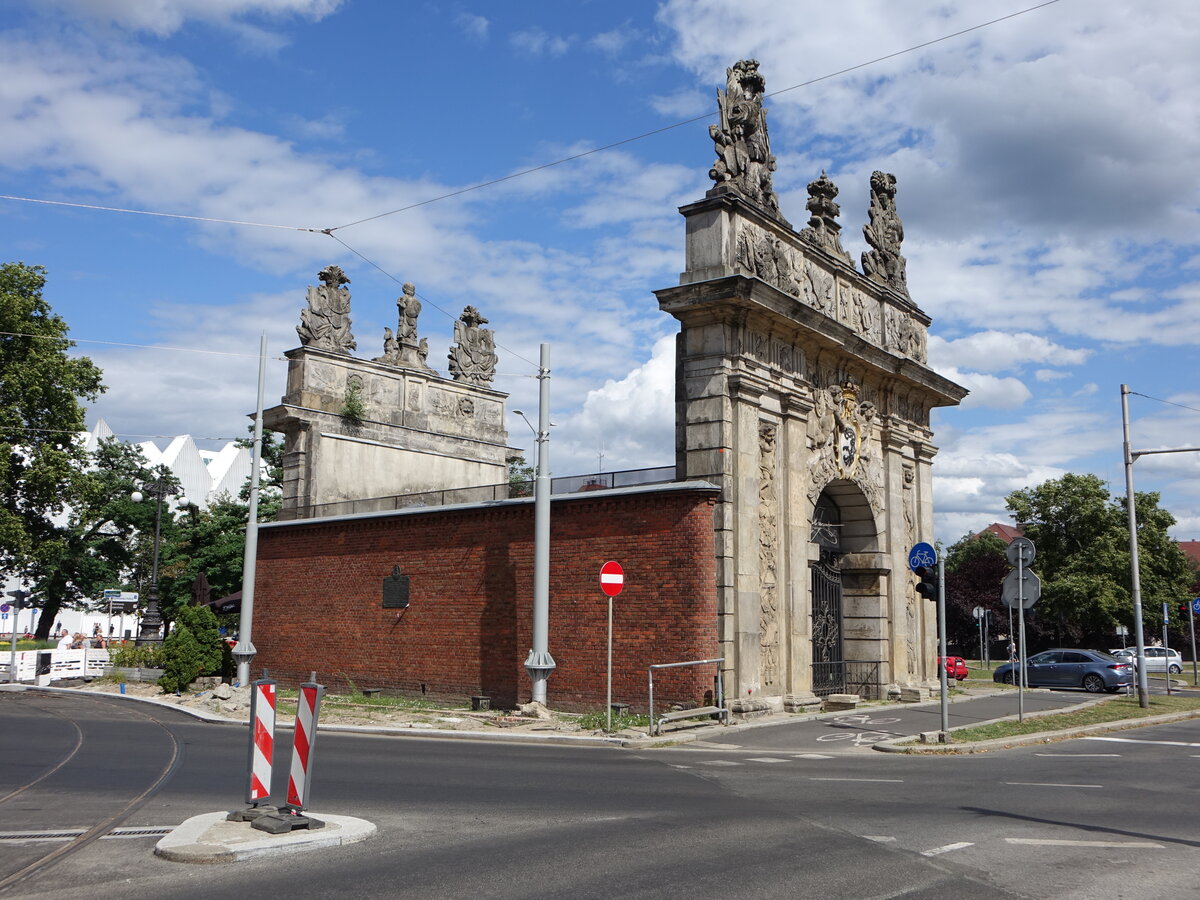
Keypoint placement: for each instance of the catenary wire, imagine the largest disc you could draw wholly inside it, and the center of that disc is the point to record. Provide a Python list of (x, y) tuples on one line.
[(124, 434), (81, 340), (543, 166), (1168, 402)]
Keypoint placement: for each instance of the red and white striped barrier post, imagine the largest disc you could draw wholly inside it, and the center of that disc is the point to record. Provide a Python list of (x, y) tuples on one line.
[(308, 707), (261, 753), (262, 741)]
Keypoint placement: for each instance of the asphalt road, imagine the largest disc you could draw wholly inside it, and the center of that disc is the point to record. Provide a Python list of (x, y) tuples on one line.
[(763, 813)]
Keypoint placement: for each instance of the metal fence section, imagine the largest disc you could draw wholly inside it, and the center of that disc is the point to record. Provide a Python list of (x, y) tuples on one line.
[(488, 493), (717, 708), (844, 676)]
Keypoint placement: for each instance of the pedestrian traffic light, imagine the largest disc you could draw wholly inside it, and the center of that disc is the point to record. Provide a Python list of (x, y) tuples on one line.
[(1185, 608), (927, 582)]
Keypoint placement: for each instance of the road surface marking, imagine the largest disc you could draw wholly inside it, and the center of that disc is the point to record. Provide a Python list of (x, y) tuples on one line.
[(1049, 784), (889, 780), (719, 762), (1141, 741), (937, 851), (810, 756), (1079, 755), (673, 766), (1046, 842), (879, 838), (766, 759)]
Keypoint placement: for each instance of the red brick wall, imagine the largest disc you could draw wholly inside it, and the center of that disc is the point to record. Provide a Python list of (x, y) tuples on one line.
[(318, 599)]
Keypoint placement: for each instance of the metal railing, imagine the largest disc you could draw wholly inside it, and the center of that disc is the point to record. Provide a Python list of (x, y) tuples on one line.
[(844, 676), (488, 493), (717, 708)]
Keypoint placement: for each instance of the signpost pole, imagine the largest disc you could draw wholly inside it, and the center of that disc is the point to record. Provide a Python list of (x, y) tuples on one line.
[(1166, 647), (1192, 622), (941, 610), (1021, 676), (608, 697), (978, 612)]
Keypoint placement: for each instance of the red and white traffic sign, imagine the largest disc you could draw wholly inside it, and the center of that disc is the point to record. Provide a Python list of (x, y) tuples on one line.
[(612, 578)]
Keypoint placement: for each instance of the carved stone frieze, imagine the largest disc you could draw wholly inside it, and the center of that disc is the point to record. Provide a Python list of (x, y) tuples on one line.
[(325, 324), (910, 591), (769, 351), (843, 443), (768, 553)]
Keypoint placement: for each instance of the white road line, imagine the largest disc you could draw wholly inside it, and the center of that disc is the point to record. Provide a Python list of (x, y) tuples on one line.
[(673, 766), (766, 759), (719, 762), (1049, 784), (1141, 741), (1080, 755), (887, 780), (1046, 842), (810, 756), (937, 851), (879, 838)]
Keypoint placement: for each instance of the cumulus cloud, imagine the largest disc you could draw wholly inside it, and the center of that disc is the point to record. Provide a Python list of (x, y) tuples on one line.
[(165, 17), (539, 42), (999, 351), (472, 25)]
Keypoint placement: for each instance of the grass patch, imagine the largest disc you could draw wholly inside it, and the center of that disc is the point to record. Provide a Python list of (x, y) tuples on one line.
[(594, 721), (1112, 710), (377, 701)]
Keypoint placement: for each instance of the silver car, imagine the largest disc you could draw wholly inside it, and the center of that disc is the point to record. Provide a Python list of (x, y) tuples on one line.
[(1158, 659)]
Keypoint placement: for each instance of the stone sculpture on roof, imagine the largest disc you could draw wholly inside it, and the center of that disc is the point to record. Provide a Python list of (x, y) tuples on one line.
[(744, 161), (325, 325), (884, 232), (823, 226), (404, 349), (473, 357)]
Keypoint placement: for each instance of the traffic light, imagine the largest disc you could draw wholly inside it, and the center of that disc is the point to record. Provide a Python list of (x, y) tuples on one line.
[(927, 582), (1185, 609)]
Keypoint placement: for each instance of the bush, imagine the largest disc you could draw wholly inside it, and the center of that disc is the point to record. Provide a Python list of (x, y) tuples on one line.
[(183, 659), (202, 623), (130, 656)]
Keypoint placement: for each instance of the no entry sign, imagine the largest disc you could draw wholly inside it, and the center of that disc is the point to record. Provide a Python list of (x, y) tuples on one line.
[(612, 578)]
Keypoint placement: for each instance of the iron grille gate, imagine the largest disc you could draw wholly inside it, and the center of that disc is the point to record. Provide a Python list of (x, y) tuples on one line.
[(829, 670)]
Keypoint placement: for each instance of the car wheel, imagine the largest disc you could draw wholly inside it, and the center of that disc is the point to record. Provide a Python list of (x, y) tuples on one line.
[(1175, 670), (1007, 678), (1093, 683)]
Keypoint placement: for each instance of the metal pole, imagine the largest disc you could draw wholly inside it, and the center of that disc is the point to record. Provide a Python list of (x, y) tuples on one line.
[(151, 621), (987, 644), (1134, 569), (941, 612), (1166, 646), (1192, 623), (610, 665), (539, 664), (1022, 675), (12, 654), (244, 651), (979, 625)]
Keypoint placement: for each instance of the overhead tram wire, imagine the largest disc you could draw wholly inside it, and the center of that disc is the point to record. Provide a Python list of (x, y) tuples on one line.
[(543, 166), (1168, 402), (452, 316), (680, 124), (124, 434), (82, 340)]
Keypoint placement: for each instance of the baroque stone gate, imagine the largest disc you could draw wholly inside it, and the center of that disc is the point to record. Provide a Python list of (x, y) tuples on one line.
[(802, 391)]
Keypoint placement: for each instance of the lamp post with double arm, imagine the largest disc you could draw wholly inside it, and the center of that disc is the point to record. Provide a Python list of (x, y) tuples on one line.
[(149, 631)]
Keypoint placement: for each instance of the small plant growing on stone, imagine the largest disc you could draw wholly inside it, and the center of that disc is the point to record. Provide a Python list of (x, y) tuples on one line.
[(354, 410)]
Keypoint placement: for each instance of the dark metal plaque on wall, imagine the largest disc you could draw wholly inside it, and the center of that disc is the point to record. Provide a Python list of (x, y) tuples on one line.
[(395, 590)]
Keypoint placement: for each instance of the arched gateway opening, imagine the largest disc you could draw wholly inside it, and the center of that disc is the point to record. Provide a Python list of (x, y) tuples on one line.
[(845, 601)]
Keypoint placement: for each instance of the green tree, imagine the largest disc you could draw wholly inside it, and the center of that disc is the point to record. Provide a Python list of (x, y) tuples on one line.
[(202, 623), (106, 539), (1082, 540), (975, 567), (41, 389), (521, 476)]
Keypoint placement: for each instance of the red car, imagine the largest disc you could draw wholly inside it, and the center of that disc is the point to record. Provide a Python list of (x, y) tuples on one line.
[(956, 667)]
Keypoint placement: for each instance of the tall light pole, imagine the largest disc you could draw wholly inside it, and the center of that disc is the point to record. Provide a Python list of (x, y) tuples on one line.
[(1131, 457), (244, 652), (539, 664), (151, 624)]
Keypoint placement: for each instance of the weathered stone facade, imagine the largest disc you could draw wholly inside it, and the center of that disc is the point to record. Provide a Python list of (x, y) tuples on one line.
[(802, 381)]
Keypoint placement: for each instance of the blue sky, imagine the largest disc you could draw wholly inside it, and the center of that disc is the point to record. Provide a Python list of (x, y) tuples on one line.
[(1046, 169)]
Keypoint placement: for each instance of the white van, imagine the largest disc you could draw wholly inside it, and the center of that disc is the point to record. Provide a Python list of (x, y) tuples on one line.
[(1158, 659)]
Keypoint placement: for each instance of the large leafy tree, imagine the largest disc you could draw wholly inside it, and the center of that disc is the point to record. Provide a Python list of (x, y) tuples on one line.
[(105, 539), (975, 567), (41, 389), (1082, 539)]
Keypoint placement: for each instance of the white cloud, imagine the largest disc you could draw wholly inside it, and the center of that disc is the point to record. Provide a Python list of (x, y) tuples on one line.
[(472, 25), (999, 351), (988, 390), (538, 42), (1050, 375), (164, 17)]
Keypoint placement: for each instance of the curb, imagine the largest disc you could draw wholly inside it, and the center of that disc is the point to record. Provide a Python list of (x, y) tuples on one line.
[(209, 838), (902, 745)]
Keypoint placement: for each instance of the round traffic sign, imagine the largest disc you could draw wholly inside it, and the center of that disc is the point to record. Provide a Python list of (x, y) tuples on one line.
[(977, 612), (1021, 550), (4, 607), (922, 555), (1196, 606), (612, 578)]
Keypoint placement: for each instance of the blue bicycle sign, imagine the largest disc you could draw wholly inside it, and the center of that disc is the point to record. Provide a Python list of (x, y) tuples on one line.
[(922, 555)]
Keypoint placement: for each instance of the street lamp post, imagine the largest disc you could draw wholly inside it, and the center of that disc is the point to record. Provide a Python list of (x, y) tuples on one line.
[(151, 624)]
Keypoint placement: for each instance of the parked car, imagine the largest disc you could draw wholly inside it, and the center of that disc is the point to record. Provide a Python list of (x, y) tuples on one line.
[(1157, 659), (1093, 670), (956, 667)]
